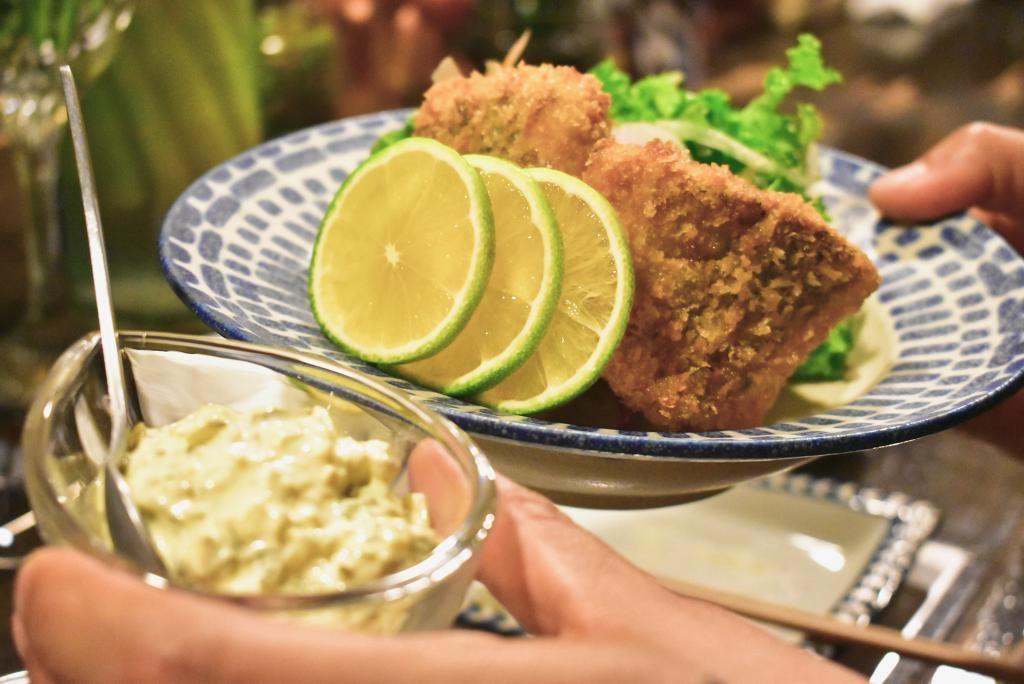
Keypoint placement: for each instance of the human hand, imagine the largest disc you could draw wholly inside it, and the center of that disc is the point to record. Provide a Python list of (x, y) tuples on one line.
[(391, 47), (596, 619), (979, 167)]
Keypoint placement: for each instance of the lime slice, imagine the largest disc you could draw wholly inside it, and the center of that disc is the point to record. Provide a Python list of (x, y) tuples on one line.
[(521, 295), (592, 312), (403, 254)]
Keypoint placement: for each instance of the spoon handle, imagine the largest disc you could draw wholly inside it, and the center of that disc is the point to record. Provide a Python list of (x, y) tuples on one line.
[(100, 274), (124, 521)]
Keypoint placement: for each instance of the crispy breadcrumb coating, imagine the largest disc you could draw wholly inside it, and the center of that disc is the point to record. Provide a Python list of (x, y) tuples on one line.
[(531, 115), (734, 287)]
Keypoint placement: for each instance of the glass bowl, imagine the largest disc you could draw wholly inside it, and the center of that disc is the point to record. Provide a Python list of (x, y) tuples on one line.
[(67, 427)]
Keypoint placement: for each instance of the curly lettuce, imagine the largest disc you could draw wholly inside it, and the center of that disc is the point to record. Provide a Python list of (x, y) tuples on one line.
[(829, 360), (760, 141)]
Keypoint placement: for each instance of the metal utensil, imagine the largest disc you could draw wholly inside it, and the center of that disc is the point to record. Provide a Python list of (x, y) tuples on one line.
[(127, 530)]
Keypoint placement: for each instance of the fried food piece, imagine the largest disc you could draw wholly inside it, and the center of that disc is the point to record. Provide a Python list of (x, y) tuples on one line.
[(531, 115), (735, 286)]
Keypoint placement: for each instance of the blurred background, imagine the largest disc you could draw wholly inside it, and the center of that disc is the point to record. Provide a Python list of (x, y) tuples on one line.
[(171, 89)]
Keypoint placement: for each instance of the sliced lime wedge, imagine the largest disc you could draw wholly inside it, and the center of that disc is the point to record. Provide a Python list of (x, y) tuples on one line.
[(403, 254), (521, 294), (592, 312)]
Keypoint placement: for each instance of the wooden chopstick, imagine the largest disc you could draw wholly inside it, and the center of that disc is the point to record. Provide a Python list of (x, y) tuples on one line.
[(832, 631)]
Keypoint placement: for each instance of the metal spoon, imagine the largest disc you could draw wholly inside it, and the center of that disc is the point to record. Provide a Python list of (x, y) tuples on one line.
[(127, 530)]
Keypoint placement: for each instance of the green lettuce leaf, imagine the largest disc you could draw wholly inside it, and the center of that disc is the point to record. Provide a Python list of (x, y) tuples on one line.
[(829, 360), (391, 137), (781, 140)]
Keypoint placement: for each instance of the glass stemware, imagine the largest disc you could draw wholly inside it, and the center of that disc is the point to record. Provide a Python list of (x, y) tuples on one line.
[(36, 36)]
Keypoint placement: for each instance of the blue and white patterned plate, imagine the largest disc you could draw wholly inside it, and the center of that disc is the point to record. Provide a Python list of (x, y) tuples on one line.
[(236, 248)]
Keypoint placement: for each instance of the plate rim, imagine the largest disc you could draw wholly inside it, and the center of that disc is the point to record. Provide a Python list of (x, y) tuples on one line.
[(626, 445)]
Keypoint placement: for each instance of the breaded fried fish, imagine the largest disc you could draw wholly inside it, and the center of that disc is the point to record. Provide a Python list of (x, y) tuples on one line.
[(734, 287), (531, 115)]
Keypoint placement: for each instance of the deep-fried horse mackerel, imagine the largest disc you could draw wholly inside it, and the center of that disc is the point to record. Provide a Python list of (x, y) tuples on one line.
[(530, 115), (735, 286)]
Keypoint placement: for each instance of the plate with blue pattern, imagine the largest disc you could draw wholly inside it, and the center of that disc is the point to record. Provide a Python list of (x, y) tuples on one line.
[(236, 248)]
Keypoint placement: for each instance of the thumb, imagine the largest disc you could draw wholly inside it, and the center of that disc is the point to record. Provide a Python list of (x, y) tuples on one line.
[(557, 578), (978, 165)]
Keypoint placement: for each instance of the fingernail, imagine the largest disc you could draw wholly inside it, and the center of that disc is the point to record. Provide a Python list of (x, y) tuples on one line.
[(906, 174)]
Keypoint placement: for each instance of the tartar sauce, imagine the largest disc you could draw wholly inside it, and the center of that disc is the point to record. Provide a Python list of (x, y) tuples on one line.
[(273, 501)]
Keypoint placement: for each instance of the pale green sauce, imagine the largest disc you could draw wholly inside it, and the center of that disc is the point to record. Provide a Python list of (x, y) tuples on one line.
[(273, 501)]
